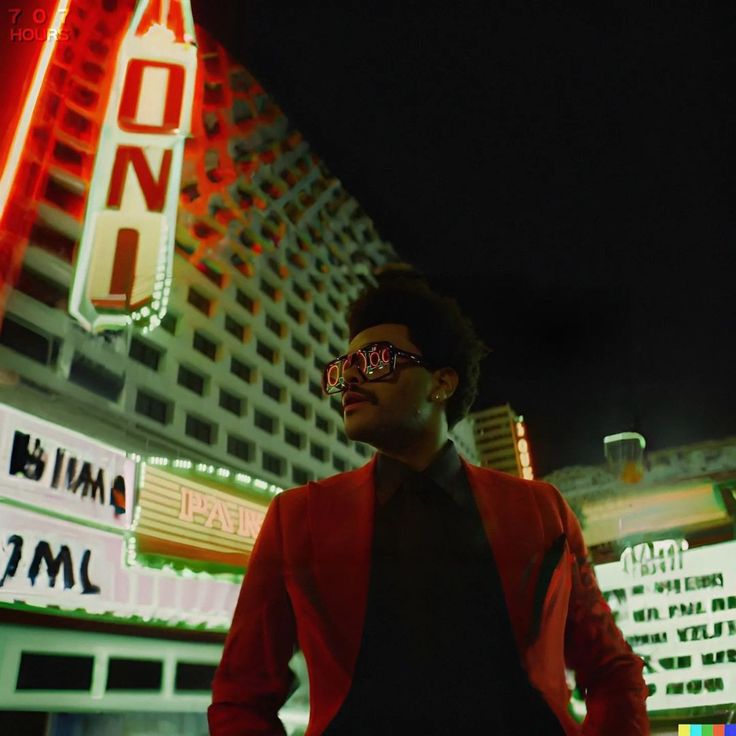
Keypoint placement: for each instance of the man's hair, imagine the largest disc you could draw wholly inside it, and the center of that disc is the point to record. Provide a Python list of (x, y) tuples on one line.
[(446, 337)]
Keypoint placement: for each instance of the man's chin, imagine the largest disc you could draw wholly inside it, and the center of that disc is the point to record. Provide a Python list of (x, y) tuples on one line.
[(359, 431)]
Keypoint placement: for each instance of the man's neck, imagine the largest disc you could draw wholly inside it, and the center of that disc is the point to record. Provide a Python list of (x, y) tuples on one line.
[(418, 455)]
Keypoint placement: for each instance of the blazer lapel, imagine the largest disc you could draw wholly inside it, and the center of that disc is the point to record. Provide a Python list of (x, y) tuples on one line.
[(515, 533), (341, 513)]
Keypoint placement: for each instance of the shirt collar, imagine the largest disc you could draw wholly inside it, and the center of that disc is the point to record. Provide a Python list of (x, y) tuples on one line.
[(446, 470)]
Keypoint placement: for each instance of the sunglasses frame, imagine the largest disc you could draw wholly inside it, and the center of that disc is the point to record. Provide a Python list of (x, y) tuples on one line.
[(395, 353)]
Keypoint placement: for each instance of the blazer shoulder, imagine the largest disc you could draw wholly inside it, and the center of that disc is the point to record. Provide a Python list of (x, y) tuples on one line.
[(545, 495)]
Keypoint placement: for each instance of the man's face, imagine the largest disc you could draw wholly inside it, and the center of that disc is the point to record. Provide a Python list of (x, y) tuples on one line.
[(397, 408)]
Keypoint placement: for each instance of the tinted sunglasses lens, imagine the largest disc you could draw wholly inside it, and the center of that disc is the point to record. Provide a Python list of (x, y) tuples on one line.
[(379, 361), (332, 378)]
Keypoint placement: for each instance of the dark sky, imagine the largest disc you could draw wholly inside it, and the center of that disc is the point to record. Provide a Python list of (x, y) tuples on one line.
[(565, 174)]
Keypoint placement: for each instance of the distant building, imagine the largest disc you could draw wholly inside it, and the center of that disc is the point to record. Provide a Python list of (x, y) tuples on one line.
[(501, 441)]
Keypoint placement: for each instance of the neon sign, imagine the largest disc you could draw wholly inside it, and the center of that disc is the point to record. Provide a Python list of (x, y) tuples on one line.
[(123, 268), (179, 517), (677, 609), (47, 562)]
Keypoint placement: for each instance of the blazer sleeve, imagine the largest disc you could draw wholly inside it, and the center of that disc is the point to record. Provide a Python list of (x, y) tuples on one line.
[(253, 679), (606, 669)]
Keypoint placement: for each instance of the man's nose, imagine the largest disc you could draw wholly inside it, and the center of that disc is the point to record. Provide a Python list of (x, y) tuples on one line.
[(352, 373)]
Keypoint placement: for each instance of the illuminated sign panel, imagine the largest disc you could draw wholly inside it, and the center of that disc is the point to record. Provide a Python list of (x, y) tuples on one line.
[(123, 269), (62, 472), (179, 517), (677, 609), (48, 562)]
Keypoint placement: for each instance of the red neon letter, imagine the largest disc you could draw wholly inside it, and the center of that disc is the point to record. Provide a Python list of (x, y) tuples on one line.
[(132, 92), (154, 191), (123, 271)]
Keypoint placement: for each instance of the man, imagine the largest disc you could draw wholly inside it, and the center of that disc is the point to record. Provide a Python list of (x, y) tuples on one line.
[(428, 595)]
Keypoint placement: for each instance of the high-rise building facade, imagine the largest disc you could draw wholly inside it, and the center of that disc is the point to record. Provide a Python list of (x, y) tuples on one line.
[(501, 441), (153, 403)]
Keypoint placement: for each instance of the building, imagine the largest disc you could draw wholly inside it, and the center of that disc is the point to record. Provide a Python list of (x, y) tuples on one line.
[(141, 440), (661, 530), (501, 441)]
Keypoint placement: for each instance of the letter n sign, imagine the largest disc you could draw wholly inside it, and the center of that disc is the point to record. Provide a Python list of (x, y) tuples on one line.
[(123, 270)]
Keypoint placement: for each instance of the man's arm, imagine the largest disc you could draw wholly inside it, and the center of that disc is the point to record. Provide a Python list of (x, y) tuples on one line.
[(254, 680), (606, 669)]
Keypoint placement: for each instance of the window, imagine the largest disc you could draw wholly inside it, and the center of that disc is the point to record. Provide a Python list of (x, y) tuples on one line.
[(293, 438), (266, 351), (264, 421), (302, 293), (292, 372), (340, 464), (300, 475), (245, 301), (153, 408), (272, 390), (342, 438), (28, 342), (95, 377), (315, 389), (239, 447), (315, 333), (241, 370), (294, 313), (200, 429), (317, 451), (300, 347), (274, 325), (204, 345), (299, 408), (191, 379), (322, 424), (199, 301), (273, 463), (231, 402), (270, 290), (234, 328), (321, 312), (144, 353), (169, 323)]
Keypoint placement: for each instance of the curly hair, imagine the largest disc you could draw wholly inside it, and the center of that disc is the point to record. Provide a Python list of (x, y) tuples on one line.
[(446, 337)]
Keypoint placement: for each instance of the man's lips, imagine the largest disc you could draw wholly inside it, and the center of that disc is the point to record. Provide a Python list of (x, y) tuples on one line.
[(353, 397)]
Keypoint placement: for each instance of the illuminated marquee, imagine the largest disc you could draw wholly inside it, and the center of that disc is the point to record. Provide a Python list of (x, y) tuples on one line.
[(49, 563), (123, 269), (677, 609), (62, 472), (180, 518)]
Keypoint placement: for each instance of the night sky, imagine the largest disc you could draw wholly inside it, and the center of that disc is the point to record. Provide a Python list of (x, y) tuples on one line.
[(566, 175)]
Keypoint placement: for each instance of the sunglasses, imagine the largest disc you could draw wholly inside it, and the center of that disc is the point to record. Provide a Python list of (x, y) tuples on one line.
[(374, 361)]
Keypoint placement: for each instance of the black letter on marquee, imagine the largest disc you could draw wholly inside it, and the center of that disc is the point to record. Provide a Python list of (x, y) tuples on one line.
[(12, 567), (87, 585), (43, 554), (30, 464)]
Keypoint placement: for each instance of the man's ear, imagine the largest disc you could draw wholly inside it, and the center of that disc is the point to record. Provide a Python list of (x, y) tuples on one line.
[(445, 382)]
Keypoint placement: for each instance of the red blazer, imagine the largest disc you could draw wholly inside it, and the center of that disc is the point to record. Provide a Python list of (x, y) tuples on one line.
[(307, 585)]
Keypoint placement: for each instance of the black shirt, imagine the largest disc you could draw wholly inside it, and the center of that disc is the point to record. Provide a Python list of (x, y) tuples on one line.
[(438, 654)]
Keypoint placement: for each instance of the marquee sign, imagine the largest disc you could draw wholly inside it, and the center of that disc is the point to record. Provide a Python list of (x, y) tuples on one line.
[(677, 609), (123, 268), (46, 562), (181, 518), (62, 472)]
